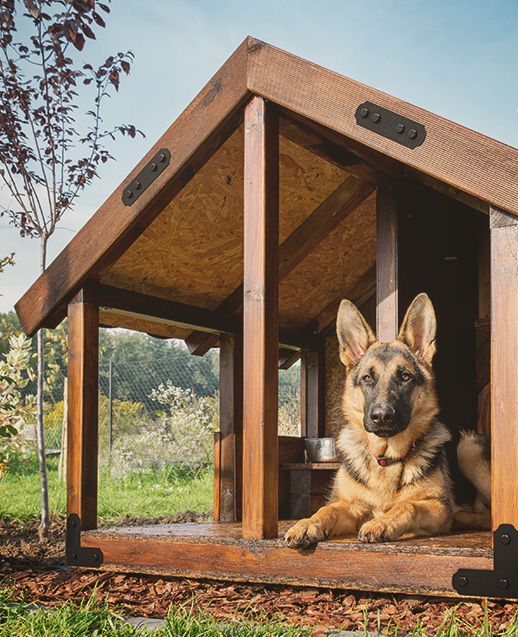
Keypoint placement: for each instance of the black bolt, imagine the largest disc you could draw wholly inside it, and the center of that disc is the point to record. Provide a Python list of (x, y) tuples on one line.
[(154, 167), (73, 523), (400, 128), (129, 194), (74, 556), (505, 539), (364, 112), (503, 583), (97, 557), (462, 581), (412, 133), (161, 157), (376, 117), (137, 185)]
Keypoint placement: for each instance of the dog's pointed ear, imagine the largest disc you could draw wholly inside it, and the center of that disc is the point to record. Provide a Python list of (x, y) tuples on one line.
[(354, 334), (419, 328)]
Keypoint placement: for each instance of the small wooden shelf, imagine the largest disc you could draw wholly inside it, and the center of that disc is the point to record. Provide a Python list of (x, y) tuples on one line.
[(310, 466)]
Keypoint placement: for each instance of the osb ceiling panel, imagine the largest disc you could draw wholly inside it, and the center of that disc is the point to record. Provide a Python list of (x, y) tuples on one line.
[(193, 251), (331, 269)]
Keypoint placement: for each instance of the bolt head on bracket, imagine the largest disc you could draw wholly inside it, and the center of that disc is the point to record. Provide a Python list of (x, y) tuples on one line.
[(393, 126), (146, 177)]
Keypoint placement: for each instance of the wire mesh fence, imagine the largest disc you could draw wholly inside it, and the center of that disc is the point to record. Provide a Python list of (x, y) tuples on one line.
[(158, 404)]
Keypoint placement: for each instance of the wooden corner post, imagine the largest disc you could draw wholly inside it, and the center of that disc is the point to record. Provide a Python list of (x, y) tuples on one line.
[(260, 320), (83, 388), (312, 393), (387, 319), (504, 368), (228, 474)]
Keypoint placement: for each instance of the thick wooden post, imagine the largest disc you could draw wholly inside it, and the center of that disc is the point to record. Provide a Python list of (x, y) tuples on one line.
[(312, 393), (228, 476), (504, 368), (260, 321), (387, 319), (83, 387)]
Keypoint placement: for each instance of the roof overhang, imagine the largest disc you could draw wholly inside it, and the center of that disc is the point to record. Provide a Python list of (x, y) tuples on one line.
[(463, 163)]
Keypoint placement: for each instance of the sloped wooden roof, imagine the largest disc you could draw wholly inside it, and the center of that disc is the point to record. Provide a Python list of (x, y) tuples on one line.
[(182, 239)]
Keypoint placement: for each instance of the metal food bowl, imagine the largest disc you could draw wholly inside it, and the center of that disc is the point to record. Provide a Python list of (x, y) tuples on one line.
[(321, 449)]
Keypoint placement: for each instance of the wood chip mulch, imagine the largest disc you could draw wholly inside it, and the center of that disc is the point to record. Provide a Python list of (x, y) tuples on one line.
[(35, 572)]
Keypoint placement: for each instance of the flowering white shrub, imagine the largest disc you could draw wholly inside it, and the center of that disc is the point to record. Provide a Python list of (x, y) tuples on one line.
[(16, 411), (181, 433)]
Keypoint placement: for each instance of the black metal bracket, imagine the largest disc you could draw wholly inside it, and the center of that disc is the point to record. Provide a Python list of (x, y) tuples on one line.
[(77, 555), (390, 125), (146, 177), (502, 581)]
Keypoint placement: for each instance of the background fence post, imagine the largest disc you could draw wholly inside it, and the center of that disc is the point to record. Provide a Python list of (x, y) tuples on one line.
[(110, 407)]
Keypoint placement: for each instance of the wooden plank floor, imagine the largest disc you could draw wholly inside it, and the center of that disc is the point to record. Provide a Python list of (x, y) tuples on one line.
[(218, 551), (476, 543)]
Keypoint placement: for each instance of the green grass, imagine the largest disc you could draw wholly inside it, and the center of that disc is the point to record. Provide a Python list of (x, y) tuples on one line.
[(90, 620), (149, 495)]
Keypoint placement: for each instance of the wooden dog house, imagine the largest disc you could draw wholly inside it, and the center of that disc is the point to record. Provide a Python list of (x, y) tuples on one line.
[(281, 189)]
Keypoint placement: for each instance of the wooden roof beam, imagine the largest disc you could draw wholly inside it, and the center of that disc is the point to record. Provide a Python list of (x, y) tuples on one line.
[(362, 161), (305, 238), (183, 315), (214, 114), (462, 159)]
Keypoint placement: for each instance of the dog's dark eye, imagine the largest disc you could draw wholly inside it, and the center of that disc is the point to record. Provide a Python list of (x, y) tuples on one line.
[(367, 379), (406, 377)]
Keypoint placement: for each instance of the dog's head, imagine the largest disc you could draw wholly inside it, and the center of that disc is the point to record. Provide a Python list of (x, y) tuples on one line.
[(389, 385)]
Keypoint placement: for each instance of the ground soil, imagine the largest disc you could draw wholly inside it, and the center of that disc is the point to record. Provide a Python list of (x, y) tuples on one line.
[(35, 571)]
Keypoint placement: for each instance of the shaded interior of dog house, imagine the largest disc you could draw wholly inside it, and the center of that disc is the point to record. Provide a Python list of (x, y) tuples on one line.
[(362, 217)]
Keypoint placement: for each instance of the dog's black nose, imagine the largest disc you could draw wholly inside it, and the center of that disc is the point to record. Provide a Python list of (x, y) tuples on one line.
[(383, 415)]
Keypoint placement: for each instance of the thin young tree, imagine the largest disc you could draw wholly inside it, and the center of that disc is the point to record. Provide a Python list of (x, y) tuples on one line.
[(50, 149)]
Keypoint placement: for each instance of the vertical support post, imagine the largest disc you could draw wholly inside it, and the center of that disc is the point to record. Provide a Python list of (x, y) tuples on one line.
[(110, 407), (228, 480), (260, 321), (504, 368), (312, 393), (387, 319), (83, 388)]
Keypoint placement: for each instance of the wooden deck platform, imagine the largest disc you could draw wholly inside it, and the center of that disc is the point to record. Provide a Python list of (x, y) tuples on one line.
[(218, 551)]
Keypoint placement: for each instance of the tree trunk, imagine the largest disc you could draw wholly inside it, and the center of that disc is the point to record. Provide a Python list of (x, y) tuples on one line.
[(40, 433)]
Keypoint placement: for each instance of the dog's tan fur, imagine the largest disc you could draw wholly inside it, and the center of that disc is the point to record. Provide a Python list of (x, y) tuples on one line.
[(474, 464), (412, 496)]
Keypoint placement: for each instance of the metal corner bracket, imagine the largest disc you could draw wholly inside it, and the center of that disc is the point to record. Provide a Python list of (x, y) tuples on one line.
[(502, 581), (75, 554)]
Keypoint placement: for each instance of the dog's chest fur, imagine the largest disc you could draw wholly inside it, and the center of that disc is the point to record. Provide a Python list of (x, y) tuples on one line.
[(361, 478)]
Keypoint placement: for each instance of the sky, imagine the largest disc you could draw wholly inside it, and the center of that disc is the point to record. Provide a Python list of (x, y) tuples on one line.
[(456, 58)]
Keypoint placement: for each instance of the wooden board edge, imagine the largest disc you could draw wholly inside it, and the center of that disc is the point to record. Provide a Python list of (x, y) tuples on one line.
[(321, 567)]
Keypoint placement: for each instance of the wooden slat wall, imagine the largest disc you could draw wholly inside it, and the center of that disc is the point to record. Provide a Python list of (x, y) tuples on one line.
[(83, 387), (260, 321), (504, 368)]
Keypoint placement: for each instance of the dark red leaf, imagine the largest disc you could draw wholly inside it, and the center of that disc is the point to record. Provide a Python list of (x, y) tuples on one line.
[(125, 66), (88, 32), (98, 19), (114, 78), (79, 42)]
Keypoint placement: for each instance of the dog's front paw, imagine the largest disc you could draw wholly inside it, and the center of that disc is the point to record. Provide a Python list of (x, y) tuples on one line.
[(376, 530), (304, 533)]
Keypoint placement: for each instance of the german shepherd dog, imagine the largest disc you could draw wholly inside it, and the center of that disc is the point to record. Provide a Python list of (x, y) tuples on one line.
[(394, 478)]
